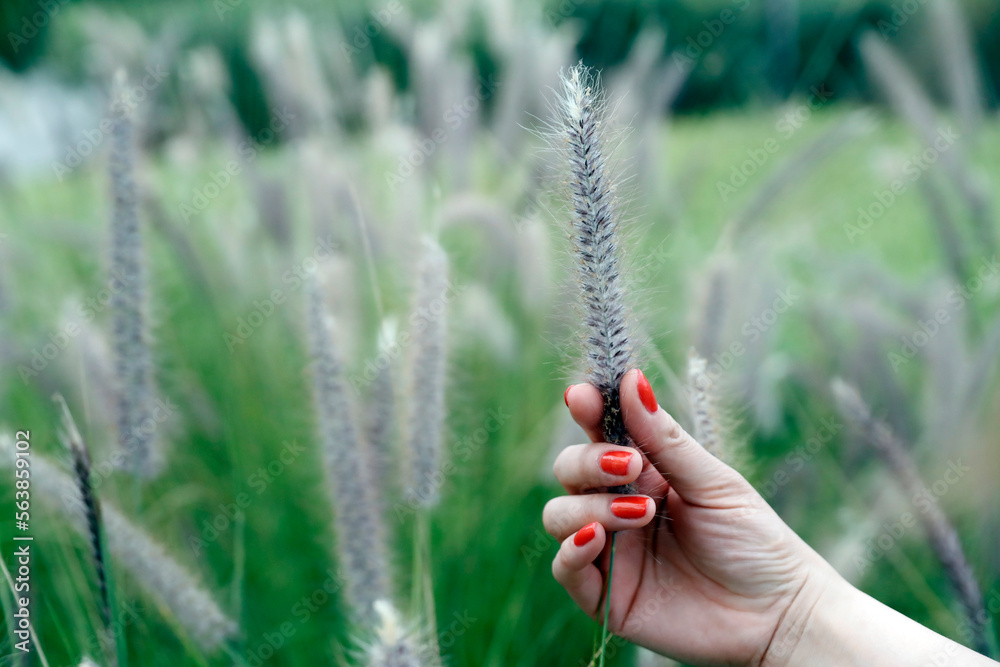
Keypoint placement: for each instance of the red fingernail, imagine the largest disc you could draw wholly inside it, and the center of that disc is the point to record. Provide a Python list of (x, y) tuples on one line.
[(646, 394), (566, 395), (616, 463), (629, 507), (585, 534)]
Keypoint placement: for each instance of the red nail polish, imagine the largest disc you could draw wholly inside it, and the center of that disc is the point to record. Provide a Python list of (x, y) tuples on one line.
[(629, 507), (616, 463), (566, 395), (585, 534), (646, 394)]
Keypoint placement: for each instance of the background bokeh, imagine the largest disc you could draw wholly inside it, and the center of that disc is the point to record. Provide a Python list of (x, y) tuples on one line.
[(783, 217)]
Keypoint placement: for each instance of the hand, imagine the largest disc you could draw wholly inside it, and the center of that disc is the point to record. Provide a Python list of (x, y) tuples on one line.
[(715, 577)]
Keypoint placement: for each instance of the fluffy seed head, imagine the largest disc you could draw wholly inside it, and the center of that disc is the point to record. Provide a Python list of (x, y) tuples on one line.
[(428, 373), (595, 236), (595, 228), (700, 386), (151, 567), (941, 534), (81, 470), (133, 360), (382, 412), (394, 645), (360, 541)]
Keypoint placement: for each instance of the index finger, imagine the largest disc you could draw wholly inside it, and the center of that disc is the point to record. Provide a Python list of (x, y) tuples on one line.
[(586, 405)]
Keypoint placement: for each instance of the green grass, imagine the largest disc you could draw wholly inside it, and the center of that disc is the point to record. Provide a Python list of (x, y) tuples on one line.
[(493, 589)]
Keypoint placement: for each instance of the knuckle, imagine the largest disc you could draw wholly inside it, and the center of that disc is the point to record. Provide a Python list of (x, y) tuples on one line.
[(561, 467), (670, 432), (549, 513), (558, 567)]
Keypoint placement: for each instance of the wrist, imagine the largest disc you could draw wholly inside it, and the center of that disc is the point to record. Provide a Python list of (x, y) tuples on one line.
[(812, 619), (830, 623)]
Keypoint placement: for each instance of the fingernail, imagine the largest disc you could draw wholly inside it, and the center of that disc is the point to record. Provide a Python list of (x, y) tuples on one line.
[(629, 507), (616, 463), (646, 394), (585, 534), (566, 395)]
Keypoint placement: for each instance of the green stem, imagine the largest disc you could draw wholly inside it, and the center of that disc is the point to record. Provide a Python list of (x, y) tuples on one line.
[(607, 599), (121, 650)]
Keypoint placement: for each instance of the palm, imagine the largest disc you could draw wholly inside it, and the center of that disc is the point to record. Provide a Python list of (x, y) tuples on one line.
[(714, 579)]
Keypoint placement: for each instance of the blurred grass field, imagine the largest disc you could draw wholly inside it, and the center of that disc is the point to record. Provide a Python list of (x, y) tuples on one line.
[(512, 352)]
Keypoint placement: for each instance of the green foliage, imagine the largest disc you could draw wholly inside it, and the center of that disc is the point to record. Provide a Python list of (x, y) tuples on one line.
[(496, 601)]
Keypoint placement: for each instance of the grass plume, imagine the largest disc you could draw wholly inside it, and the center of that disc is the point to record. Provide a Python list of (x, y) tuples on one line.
[(360, 534), (382, 413), (131, 548), (133, 359), (395, 645), (427, 375), (703, 406), (92, 511), (940, 533), (911, 102), (595, 235)]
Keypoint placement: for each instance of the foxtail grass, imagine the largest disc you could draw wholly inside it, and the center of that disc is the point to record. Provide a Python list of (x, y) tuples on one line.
[(962, 79), (192, 607), (704, 412), (395, 645), (428, 374), (359, 528), (132, 356), (77, 447), (609, 347), (382, 405), (941, 534), (713, 427), (911, 102)]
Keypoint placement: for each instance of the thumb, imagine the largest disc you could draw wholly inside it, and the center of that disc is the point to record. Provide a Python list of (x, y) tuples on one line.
[(696, 475)]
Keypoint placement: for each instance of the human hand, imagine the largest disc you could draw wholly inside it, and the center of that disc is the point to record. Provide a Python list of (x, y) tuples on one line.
[(723, 580)]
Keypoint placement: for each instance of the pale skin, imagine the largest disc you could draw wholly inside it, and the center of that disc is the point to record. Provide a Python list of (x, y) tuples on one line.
[(725, 580)]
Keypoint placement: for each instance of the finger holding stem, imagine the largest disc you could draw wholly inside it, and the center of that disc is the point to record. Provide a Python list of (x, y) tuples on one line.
[(574, 567)]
